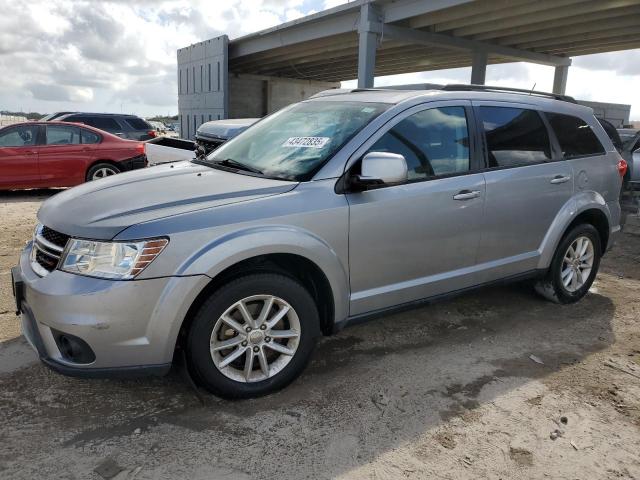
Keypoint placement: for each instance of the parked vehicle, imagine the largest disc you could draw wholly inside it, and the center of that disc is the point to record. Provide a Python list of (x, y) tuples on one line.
[(168, 149), (159, 127), (58, 154), (333, 210), (211, 135), (627, 134), (54, 116), (629, 149), (123, 126), (612, 132)]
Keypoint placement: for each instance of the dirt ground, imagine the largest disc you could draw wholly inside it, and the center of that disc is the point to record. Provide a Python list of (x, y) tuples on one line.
[(475, 387)]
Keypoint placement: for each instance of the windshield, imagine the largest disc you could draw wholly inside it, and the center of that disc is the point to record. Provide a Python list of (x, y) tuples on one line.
[(296, 141)]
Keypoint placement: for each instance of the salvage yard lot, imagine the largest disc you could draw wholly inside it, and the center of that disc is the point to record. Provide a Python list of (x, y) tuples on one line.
[(468, 388)]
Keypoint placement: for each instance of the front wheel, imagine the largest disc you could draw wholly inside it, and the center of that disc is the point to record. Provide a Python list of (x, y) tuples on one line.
[(253, 336), (574, 266)]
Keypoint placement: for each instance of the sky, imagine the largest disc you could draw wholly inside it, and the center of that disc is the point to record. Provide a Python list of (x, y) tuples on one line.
[(120, 55)]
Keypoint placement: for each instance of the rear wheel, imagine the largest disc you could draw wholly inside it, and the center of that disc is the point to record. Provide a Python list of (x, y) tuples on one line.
[(101, 170), (252, 336), (574, 266)]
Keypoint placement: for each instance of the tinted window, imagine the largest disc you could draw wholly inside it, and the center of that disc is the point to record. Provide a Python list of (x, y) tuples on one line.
[(22, 136), (574, 135), (514, 136), (103, 123), (434, 142), (89, 137), (62, 135), (137, 123)]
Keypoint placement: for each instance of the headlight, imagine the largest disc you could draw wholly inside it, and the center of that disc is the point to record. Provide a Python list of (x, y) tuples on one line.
[(119, 260)]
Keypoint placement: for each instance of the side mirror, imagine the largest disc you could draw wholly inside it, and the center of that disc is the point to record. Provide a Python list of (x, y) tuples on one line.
[(381, 168)]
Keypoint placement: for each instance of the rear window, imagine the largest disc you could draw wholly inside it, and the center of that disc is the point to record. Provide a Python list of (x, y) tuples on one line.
[(138, 124), (575, 136), (62, 135), (515, 136)]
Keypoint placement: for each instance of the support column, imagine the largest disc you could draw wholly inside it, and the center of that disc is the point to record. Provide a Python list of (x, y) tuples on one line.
[(479, 67), (368, 34), (560, 79)]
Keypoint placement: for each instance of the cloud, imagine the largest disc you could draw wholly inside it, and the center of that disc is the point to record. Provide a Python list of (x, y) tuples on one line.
[(121, 55)]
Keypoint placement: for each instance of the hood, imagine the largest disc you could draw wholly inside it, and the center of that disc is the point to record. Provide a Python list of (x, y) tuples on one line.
[(225, 129), (103, 208)]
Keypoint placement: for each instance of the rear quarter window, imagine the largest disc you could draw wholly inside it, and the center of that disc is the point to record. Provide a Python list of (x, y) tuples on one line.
[(89, 137), (138, 124), (575, 136)]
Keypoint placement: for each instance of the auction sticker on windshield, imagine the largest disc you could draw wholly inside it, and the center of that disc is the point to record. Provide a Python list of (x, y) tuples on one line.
[(306, 142)]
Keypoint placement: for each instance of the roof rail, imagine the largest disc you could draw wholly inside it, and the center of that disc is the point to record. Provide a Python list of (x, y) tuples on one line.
[(488, 88), (342, 91)]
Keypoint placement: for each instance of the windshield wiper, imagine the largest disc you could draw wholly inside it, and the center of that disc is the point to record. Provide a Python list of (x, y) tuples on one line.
[(230, 162)]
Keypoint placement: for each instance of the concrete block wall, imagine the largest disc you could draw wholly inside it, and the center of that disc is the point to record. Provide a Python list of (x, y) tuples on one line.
[(259, 95)]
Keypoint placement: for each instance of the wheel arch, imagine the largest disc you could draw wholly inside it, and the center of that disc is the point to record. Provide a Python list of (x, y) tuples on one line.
[(295, 266), (285, 250), (588, 207)]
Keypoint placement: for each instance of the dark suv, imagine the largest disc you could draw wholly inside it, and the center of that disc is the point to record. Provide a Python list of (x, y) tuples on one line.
[(124, 126)]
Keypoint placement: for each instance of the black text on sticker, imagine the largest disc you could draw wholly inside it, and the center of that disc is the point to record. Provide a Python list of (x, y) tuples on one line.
[(306, 142)]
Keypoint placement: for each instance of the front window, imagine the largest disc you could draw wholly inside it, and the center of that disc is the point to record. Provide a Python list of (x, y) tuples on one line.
[(295, 142), (22, 136), (434, 142)]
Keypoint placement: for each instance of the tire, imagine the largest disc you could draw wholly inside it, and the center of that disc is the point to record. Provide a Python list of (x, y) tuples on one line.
[(553, 286), (224, 371), (101, 170)]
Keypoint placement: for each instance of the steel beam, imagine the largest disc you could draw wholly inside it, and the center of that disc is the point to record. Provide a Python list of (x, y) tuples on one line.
[(479, 67), (368, 34), (447, 41)]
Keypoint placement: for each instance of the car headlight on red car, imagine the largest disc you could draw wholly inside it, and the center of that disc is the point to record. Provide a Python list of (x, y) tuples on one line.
[(113, 260)]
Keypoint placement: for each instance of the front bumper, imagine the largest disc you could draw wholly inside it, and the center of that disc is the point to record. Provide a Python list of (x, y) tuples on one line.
[(130, 326)]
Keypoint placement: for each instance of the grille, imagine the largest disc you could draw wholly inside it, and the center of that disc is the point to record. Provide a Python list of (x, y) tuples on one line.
[(45, 261), (48, 246), (57, 238)]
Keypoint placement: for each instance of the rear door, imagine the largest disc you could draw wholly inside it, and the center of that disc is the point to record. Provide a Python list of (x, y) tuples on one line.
[(418, 239), (63, 159), (19, 157), (527, 183)]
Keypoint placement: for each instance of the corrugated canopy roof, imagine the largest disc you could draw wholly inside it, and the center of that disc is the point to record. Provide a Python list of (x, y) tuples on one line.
[(437, 34)]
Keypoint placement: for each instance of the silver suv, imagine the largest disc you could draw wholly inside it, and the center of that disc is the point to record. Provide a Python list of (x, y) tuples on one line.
[(332, 210)]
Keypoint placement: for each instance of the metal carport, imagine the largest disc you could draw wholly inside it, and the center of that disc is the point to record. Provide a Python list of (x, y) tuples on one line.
[(371, 38)]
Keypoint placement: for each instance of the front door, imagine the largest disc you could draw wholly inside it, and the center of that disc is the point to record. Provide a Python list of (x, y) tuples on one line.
[(19, 157), (418, 239)]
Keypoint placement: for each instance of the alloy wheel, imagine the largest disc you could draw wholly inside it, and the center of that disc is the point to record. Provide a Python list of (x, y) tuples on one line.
[(577, 264), (103, 172), (255, 338)]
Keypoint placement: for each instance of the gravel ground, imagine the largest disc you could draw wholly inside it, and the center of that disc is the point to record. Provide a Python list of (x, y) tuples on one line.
[(475, 387)]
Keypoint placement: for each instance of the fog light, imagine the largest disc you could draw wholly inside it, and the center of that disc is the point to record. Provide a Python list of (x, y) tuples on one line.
[(72, 348)]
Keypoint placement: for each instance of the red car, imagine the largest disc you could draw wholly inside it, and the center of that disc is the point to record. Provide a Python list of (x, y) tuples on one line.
[(62, 154)]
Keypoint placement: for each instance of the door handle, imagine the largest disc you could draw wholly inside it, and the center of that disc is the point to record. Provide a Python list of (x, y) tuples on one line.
[(560, 179), (466, 195)]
